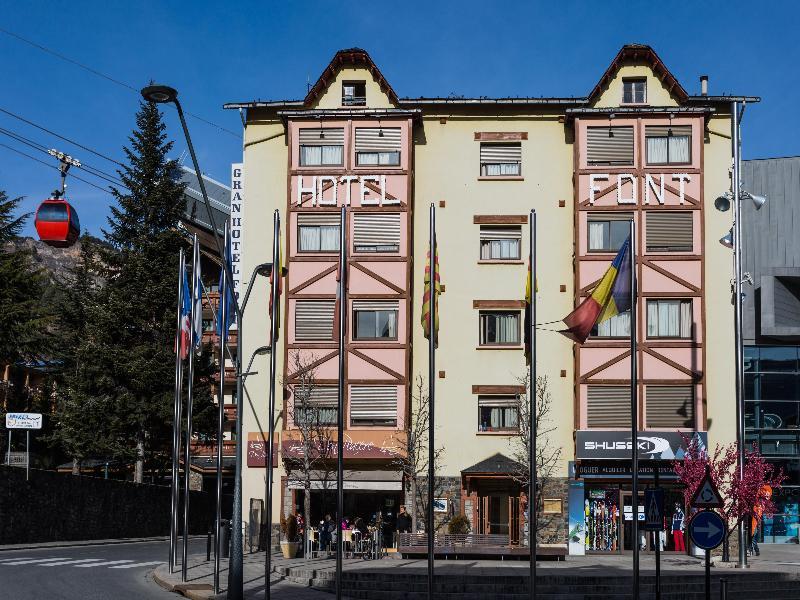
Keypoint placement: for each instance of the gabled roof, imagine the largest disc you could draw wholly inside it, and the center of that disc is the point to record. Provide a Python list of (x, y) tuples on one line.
[(345, 58), (645, 53), (497, 463)]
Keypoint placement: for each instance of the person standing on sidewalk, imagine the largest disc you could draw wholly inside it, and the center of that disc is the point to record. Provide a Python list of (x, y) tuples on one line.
[(678, 519), (402, 524)]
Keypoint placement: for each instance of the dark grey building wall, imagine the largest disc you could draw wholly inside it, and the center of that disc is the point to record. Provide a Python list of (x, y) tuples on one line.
[(771, 236)]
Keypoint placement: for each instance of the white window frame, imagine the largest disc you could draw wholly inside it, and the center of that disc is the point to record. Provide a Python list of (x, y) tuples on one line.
[(502, 403), (660, 308), (633, 81), (512, 235)]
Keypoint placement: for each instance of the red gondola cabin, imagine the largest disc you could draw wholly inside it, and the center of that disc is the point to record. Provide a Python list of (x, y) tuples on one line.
[(57, 223)]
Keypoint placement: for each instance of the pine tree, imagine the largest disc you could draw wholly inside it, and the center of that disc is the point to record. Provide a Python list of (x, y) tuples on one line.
[(135, 323), (24, 318)]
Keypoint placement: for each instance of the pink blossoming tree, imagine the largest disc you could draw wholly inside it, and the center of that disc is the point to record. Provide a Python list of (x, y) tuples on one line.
[(740, 495)]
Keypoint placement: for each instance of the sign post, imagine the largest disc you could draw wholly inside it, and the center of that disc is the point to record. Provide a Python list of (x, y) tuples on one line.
[(26, 421), (654, 521), (707, 530)]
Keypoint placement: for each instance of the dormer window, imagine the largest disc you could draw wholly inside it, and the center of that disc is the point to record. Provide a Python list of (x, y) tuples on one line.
[(634, 91), (354, 93)]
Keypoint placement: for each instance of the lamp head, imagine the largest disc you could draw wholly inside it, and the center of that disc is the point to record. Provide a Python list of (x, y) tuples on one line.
[(262, 350), (159, 94), (264, 269), (723, 203), (727, 239), (758, 201)]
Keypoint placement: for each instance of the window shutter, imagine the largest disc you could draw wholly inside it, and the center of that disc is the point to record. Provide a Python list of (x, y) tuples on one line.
[(501, 153), (501, 233), (370, 402), (320, 396), (609, 216), (669, 406), (497, 401), (313, 320), (369, 139), (614, 150), (376, 305), (376, 229), (608, 406), (309, 136), (667, 230), (663, 130), (318, 218)]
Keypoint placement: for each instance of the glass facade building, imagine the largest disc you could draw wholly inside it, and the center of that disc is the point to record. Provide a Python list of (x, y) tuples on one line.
[(772, 421)]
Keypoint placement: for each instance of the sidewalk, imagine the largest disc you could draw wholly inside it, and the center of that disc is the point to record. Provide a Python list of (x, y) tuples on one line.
[(294, 578)]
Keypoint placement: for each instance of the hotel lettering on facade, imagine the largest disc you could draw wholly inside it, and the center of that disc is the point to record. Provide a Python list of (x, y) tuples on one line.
[(639, 147)]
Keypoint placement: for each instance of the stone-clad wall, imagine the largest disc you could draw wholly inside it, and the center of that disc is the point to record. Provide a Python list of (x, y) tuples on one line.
[(58, 506)]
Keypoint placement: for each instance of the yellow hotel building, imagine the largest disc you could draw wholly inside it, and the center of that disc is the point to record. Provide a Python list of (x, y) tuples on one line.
[(638, 146)]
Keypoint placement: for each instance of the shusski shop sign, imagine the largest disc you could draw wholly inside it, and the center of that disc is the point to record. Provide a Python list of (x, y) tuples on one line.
[(653, 445), (330, 190)]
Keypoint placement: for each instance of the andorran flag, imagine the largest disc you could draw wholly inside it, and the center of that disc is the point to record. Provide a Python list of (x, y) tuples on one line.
[(612, 296), (426, 298), (276, 272)]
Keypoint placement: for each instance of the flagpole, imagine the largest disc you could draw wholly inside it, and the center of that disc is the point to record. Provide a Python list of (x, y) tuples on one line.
[(532, 429), (176, 425), (223, 339), (634, 417), (340, 400), (187, 456), (274, 283), (432, 334)]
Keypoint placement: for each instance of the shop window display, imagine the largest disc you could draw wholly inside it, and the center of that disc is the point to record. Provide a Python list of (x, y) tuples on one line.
[(601, 511)]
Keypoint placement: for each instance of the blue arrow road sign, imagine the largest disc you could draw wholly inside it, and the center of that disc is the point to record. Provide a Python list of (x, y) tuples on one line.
[(653, 510), (707, 530)]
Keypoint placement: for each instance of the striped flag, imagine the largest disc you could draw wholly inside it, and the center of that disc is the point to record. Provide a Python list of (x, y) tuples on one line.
[(426, 297), (527, 335), (611, 297), (186, 305), (197, 302)]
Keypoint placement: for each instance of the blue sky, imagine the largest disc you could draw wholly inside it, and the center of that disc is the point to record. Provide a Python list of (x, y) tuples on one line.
[(214, 52)]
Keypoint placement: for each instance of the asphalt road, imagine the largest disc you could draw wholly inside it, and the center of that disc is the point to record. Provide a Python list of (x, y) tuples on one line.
[(104, 572)]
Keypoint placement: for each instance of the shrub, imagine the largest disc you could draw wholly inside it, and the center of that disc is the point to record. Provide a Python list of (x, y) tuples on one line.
[(458, 524)]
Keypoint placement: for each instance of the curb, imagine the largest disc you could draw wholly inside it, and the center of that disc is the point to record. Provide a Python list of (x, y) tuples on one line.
[(193, 591)]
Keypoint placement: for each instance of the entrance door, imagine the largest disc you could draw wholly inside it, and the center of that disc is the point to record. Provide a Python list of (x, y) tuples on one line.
[(646, 539), (495, 513)]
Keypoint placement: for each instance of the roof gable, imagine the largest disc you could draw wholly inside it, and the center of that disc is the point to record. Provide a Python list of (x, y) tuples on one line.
[(497, 463), (639, 54), (349, 58)]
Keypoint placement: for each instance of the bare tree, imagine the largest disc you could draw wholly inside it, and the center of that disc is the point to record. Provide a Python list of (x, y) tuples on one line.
[(311, 461), (547, 456), (414, 460)]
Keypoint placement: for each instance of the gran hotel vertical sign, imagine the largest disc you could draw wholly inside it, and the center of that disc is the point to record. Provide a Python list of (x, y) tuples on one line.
[(237, 202)]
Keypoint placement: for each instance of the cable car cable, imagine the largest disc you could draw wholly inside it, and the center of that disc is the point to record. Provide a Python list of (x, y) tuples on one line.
[(61, 137), (47, 164), (104, 76), (89, 169)]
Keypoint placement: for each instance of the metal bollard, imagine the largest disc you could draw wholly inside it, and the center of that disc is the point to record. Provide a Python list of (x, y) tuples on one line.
[(723, 589), (208, 546)]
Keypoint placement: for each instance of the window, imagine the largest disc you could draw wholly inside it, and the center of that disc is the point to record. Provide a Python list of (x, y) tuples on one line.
[(500, 243), (608, 406), (617, 326), (378, 146), (499, 328), (498, 413), (376, 232), (315, 405), (668, 145), (669, 407), (634, 91), (669, 319), (313, 320), (669, 231), (354, 93), (373, 405), (609, 146), (318, 232), (321, 147), (608, 231), (375, 320), (498, 160)]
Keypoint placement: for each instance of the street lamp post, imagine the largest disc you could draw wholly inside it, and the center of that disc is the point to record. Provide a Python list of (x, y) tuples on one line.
[(163, 94)]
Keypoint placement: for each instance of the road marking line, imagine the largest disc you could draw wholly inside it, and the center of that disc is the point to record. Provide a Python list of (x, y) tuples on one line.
[(72, 562), (141, 564), (105, 564), (27, 561)]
